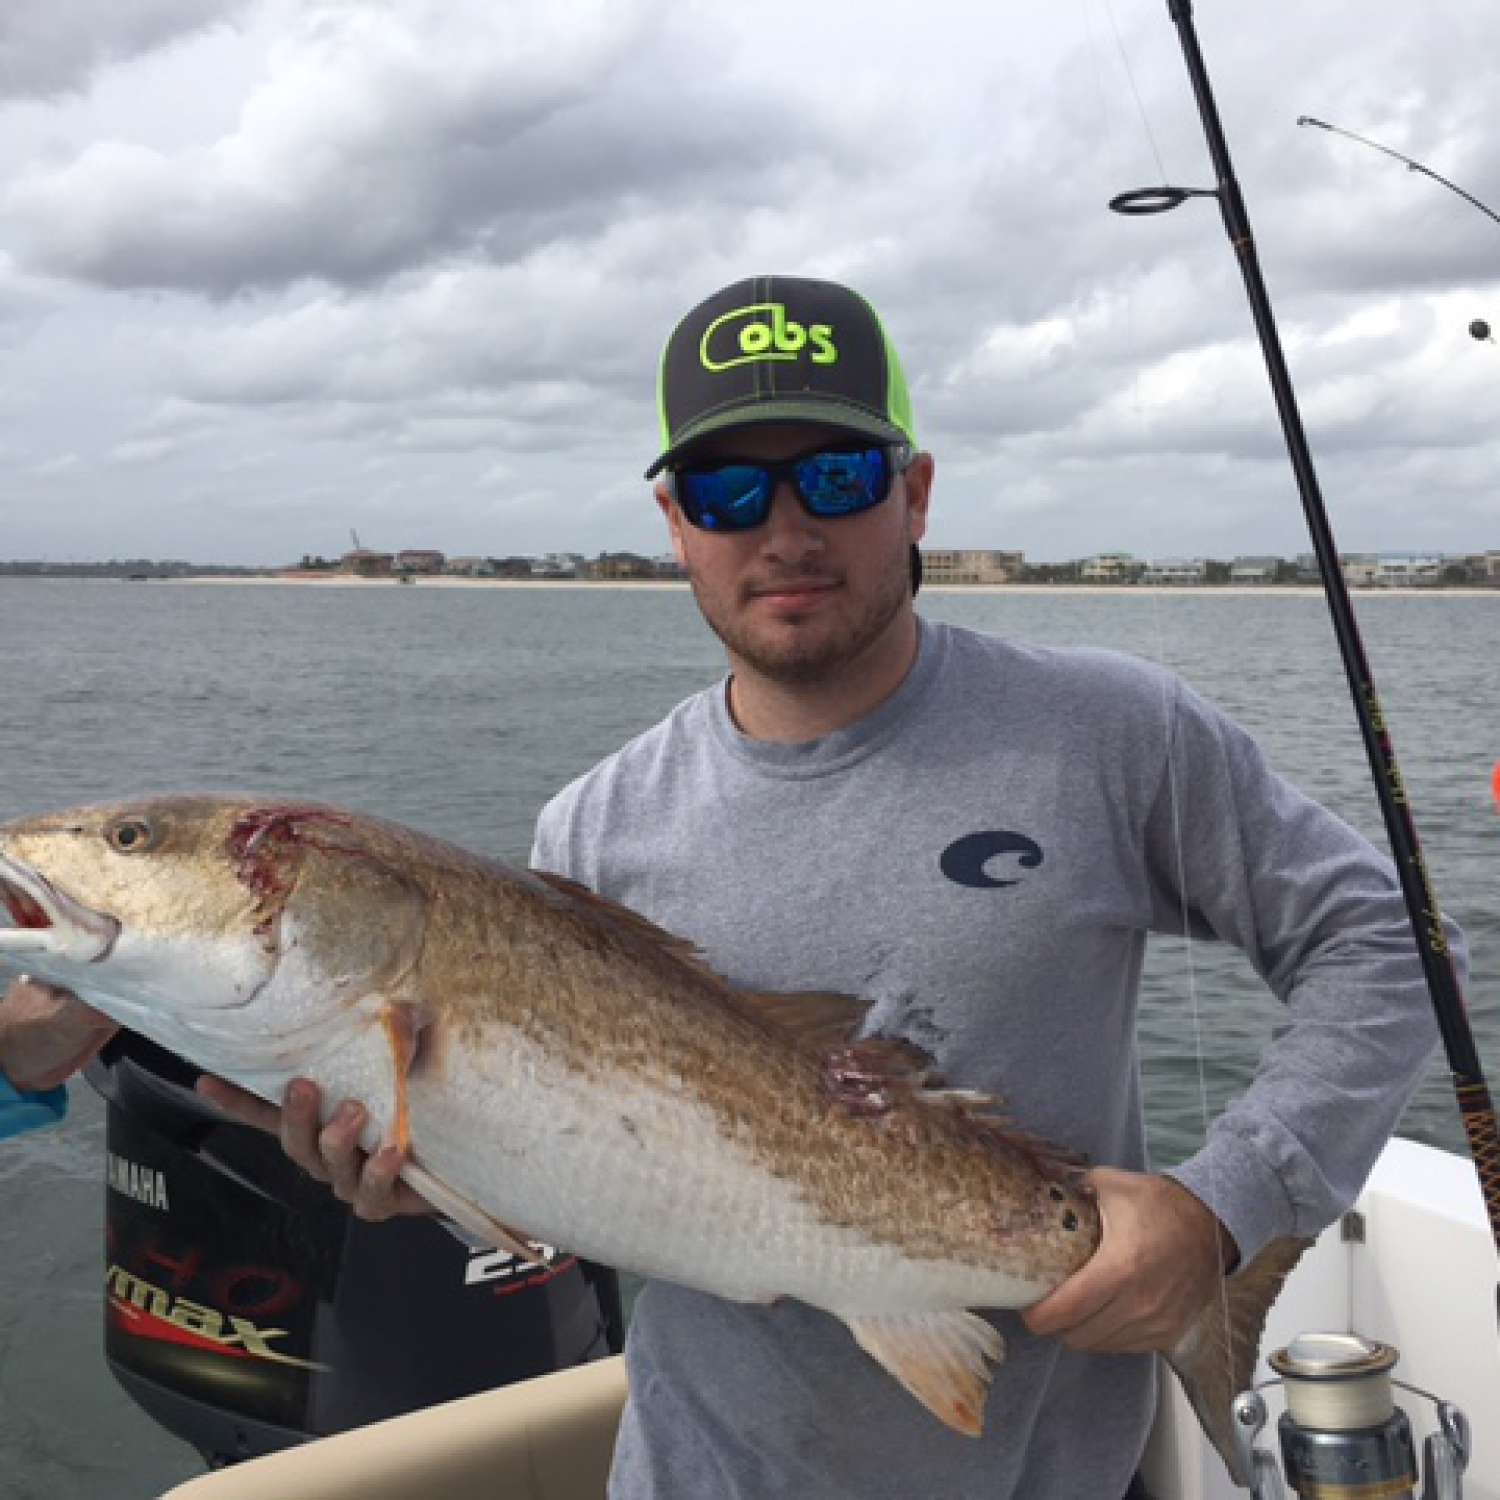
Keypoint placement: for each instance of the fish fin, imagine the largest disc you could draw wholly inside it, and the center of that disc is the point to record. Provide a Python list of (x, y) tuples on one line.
[(945, 1359), (465, 1212), (626, 922), (819, 1018), (1215, 1358), (403, 1027)]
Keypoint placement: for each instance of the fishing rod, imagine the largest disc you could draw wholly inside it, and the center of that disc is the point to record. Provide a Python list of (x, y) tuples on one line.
[(1474, 1104), (1412, 165)]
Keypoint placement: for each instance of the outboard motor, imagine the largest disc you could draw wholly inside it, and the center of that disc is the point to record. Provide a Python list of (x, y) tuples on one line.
[(246, 1310), (1342, 1433)]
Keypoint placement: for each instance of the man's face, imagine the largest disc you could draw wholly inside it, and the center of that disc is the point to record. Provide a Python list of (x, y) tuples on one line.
[(799, 599)]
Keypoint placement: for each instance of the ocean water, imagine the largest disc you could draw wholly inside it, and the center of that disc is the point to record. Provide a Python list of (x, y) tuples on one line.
[(461, 710)]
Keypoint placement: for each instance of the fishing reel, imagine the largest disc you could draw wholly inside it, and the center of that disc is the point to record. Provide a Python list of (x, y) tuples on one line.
[(1342, 1433)]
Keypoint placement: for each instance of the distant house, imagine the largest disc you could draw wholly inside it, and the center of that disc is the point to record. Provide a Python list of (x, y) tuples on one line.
[(366, 564), (1110, 567), (1251, 570), (511, 567), (558, 565), (1176, 570), (471, 567), (940, 565), (616, 565), (1409, 572), (419, 560), (1360, 568)]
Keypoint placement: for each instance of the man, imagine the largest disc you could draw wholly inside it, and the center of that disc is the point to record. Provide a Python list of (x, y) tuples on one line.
[(977, 837), (46, 1035)]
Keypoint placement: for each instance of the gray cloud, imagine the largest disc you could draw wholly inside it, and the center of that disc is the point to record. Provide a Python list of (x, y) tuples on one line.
[(391, 137), (424, 249), (49, 47)]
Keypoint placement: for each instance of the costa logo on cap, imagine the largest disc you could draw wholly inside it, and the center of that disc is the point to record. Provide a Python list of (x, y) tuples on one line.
[(780, 349), (762, 331)]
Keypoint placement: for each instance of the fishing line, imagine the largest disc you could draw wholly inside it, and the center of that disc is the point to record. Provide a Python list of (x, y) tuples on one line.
[(1169, 720), (1130, 75)]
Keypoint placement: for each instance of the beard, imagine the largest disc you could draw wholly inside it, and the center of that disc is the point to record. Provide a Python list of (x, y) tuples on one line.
[(798, 653)]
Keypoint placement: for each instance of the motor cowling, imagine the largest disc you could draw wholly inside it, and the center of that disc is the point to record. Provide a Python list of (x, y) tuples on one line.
[(247, 1310)]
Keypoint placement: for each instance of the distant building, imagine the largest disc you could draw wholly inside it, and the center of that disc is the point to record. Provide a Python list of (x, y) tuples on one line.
[(1176, 570), (471, 567), (1492, 566), (366, 564), (419, 560), (1254, 570), (1409, 572), (940, 565), (511, 567), (616, 565), (558, 565), (1110, 567), (1360, 568)]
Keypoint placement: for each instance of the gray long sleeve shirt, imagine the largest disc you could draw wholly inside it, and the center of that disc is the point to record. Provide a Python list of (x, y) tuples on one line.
[(983, 857)]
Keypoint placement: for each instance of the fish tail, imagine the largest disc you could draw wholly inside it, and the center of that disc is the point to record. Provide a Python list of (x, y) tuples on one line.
[(1215, 1358)]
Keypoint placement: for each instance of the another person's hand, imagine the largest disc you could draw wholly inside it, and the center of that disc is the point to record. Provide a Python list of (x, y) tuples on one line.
[(1162, 1257), (47, 1034), (370, 1184)]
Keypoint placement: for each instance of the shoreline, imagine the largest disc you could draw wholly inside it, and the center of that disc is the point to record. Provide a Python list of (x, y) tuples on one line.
[(1155, 590), (443, 581)]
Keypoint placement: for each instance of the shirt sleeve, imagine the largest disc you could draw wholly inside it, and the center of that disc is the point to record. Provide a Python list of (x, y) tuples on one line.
[(19, 1112), (549, 841), (1237, 853)]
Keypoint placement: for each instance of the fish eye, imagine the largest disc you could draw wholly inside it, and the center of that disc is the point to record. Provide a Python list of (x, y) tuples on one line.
[(1070, 1220), (130, 835)]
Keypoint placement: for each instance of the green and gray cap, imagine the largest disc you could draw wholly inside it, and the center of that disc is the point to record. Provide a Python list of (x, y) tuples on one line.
[(780, 349)]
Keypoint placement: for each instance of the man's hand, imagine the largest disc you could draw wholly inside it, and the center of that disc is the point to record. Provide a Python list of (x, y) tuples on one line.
[(47, 1034), (1161, 1259), (370, 1185)]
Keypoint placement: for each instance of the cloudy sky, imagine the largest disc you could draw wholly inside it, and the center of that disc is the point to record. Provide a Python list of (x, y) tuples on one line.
[(275, 269)]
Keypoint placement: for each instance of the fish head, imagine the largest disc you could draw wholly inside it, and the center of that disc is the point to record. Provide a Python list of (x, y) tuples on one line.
[(140, 908)]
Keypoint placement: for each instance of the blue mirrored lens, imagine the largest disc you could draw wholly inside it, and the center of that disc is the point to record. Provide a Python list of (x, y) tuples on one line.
[(839, 484), (737, 496), (728, 499)]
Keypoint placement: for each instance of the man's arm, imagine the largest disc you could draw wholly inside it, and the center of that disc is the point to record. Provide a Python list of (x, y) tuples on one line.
[(46, 1035), (1236, 853)]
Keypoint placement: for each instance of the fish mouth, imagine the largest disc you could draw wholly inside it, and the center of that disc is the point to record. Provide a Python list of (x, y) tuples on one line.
[(46, 921)]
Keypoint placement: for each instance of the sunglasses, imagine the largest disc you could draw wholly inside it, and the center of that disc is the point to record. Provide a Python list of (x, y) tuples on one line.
[(736, 494)]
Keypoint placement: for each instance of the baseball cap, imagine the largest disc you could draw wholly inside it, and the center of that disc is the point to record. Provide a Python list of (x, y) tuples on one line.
[(780, 349)]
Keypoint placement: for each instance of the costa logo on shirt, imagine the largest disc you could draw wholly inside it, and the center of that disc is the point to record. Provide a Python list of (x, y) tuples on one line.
[(967, 861)]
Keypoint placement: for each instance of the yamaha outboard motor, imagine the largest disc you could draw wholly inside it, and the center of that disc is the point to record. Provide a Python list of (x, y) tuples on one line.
[(247, 1310)]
